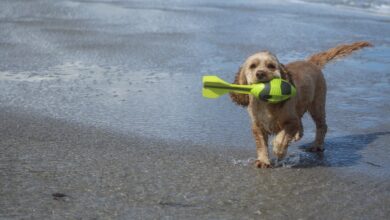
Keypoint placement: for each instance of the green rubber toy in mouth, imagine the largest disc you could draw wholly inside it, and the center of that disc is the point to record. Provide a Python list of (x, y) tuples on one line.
[(274, 91)]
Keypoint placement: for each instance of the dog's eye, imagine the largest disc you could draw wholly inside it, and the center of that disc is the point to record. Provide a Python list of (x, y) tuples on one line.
[(271, 66), (252, 66)]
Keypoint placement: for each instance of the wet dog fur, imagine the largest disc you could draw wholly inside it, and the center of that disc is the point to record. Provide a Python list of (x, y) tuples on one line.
[(284, 119)]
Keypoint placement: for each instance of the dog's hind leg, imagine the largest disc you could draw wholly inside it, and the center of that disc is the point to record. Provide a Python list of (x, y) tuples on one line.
[(317, 112)]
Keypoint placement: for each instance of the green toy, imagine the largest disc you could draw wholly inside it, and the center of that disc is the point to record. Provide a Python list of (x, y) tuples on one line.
[(274, 91)]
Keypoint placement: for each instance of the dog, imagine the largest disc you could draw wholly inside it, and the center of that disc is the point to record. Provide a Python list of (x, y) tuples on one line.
[(284, 119)]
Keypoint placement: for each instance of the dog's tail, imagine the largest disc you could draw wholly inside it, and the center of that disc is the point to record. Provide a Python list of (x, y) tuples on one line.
[(322, 58)]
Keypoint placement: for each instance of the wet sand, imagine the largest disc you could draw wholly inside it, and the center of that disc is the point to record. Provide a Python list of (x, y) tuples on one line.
[(104, 175), (102, 116)]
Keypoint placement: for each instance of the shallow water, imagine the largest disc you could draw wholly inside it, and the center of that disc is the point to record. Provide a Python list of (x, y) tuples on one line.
[(102, 101)]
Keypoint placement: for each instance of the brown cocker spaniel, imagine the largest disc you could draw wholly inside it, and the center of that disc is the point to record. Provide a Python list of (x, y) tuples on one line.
[(284, 119)]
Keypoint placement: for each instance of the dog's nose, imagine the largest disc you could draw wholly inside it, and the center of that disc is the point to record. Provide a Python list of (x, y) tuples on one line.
[(260, 74)]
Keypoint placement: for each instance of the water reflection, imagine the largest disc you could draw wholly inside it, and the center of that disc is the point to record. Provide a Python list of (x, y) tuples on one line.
[(339, 152)]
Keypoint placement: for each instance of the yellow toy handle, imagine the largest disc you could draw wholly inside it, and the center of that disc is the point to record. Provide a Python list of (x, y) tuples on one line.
[(213, 87)]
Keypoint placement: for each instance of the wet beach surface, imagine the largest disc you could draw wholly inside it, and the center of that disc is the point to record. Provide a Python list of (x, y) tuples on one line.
[(102, 115)]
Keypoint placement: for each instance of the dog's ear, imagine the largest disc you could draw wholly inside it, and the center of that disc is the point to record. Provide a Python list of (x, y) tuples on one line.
[(240, 99), (285, 73)]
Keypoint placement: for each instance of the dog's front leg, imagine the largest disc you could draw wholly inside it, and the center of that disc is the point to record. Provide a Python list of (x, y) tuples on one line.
[(284, 137), (261, 139)]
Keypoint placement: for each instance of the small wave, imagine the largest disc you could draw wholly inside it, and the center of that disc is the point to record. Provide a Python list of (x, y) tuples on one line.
[(374, 6), (243, 162), (293, 160), (382, 9)]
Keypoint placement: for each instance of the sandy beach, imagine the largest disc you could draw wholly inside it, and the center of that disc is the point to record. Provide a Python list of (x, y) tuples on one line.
[(102, 115)]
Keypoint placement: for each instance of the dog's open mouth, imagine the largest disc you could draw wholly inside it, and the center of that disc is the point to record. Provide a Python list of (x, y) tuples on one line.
[(265, 80)]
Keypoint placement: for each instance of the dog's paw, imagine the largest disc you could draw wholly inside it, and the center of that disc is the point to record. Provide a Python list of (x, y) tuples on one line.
[(280, 153), (260, 164), (297, 137), (314, 149)]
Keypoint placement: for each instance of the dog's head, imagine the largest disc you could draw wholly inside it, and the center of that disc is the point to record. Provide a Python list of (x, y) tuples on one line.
[(258, 68), (262, 67)]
